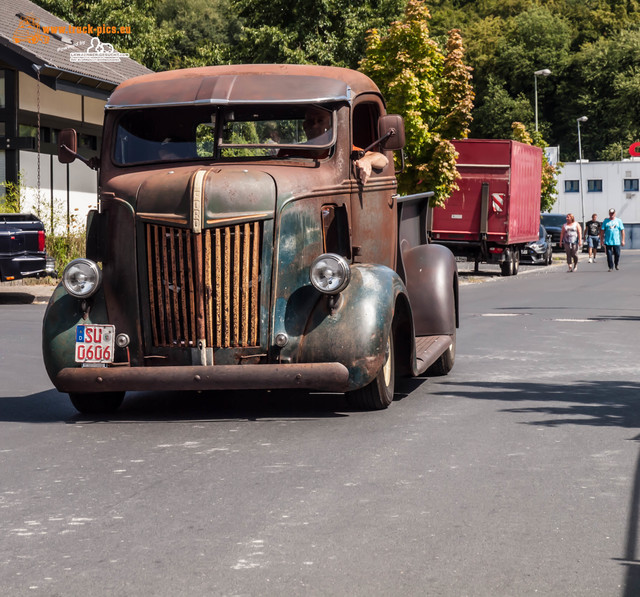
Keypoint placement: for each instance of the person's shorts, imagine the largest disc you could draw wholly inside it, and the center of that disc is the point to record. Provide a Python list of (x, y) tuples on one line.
[(593, 242)]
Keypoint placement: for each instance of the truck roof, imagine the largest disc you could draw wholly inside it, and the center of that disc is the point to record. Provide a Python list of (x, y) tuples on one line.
[(242, 84)]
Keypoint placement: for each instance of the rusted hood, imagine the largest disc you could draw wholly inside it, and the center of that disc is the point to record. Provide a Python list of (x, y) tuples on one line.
[(204, 197)]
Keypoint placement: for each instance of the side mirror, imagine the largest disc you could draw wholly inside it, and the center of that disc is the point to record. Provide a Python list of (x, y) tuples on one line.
[(67, 146), (391, 130), (68, 149)]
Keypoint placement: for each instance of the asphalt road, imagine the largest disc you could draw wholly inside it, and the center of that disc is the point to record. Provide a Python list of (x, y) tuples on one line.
[(516, 475)]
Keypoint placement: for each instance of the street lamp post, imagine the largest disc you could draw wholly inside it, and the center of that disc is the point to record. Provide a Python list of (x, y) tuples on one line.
[(579, 120), (545, 72)]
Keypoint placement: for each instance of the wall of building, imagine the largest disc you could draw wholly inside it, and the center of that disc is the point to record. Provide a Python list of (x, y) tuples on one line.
[(66, 194), (604, 185)]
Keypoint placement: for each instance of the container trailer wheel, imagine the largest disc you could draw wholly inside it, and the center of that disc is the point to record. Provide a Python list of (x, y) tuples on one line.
[(515, 261), (511, 264)]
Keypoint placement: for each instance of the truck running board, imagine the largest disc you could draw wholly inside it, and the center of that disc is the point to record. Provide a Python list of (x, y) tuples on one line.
[(429, 349)]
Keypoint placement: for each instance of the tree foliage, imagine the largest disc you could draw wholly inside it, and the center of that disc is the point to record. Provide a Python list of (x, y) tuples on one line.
[(165, 34), (329, 32), (431, 88), (592, 48)]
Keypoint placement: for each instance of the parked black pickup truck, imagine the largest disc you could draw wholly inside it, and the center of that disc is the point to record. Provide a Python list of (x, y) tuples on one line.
[(22, 252)]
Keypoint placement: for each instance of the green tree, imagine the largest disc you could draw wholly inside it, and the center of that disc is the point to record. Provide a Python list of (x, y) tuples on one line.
[(431, 88), (499, 109), (165, 34), (603, 83), (331, 32), (588, 46)]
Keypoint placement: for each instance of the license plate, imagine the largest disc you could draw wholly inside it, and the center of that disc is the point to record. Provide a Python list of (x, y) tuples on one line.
[(94, 343)]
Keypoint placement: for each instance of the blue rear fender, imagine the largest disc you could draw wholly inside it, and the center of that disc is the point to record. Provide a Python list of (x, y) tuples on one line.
[(355, 331)]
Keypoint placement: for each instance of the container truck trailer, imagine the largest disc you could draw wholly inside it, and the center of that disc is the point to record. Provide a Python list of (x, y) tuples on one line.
[(496, 210)]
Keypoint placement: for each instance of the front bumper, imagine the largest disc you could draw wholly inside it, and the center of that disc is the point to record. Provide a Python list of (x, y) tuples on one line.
[(23, 266), (328, 377), (533, 256)]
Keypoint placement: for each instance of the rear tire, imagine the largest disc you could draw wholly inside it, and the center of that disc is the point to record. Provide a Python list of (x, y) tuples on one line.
[(97, 403), (378, 394), (445, 362)]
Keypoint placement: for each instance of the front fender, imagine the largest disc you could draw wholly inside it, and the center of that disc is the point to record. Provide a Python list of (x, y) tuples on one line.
[(63, 313), (355, 331)]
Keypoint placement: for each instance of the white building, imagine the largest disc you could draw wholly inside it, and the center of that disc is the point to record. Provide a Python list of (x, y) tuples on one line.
[(601, 186)]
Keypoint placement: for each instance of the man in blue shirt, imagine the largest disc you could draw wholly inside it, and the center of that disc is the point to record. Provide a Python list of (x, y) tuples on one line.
[(613, 235)]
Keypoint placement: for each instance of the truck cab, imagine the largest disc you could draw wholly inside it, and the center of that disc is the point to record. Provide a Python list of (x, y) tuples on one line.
[(236, 245)]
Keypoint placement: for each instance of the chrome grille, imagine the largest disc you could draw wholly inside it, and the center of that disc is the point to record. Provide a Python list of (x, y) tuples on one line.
[(204, 286)]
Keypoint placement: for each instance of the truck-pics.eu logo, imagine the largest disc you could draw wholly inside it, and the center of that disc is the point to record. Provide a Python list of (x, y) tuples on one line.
[(31, 31)]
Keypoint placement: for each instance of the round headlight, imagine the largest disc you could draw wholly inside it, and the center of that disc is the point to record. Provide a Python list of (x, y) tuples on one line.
[(330, 273), (81, 278)]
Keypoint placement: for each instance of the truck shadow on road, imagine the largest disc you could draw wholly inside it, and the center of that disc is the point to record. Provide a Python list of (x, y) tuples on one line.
[(167, 407), (583, 403), (597, 403)]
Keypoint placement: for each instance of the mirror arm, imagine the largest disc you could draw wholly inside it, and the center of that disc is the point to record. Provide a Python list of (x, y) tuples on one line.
[(359, 153), (380, 140), (402, 162), (91, 162)]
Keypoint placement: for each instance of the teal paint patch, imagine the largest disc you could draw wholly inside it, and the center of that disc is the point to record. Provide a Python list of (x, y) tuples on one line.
[(354, 333), (63, 313)]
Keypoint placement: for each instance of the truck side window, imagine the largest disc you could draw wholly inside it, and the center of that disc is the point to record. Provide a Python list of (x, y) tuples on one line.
[(365, 124)]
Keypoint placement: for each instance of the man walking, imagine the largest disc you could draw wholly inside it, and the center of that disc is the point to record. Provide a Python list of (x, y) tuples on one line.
[(612, 234), (592, 232)]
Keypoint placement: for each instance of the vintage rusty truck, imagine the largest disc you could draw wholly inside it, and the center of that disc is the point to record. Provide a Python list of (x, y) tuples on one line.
[(235, 247)]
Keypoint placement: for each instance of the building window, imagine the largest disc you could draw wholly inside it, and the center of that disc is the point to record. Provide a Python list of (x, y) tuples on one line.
[(594, 185), (571, 186), (630, 185), (88, 142), (26, 130)]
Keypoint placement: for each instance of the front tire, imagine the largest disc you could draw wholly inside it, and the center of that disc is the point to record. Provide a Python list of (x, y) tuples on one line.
[(378, 394), (97, 403)]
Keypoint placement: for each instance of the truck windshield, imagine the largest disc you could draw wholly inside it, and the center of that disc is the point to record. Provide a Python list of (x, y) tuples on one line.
[(206, 133)]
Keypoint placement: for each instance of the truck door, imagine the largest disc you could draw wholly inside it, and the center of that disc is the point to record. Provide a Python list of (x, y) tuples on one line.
[(373, 210)]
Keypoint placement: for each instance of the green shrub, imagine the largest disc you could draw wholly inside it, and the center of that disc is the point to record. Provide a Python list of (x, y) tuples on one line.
[(65, 248)]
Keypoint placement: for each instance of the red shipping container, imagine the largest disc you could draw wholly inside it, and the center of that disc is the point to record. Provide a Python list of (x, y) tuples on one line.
[(497, 209)]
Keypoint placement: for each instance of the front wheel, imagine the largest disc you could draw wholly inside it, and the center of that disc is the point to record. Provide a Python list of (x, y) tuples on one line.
[(378, 394), (97, 403)]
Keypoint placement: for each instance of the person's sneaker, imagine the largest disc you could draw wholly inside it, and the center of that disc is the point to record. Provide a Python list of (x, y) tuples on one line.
[(590, 260), (609, 269), (617, 267), (575, 267)]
